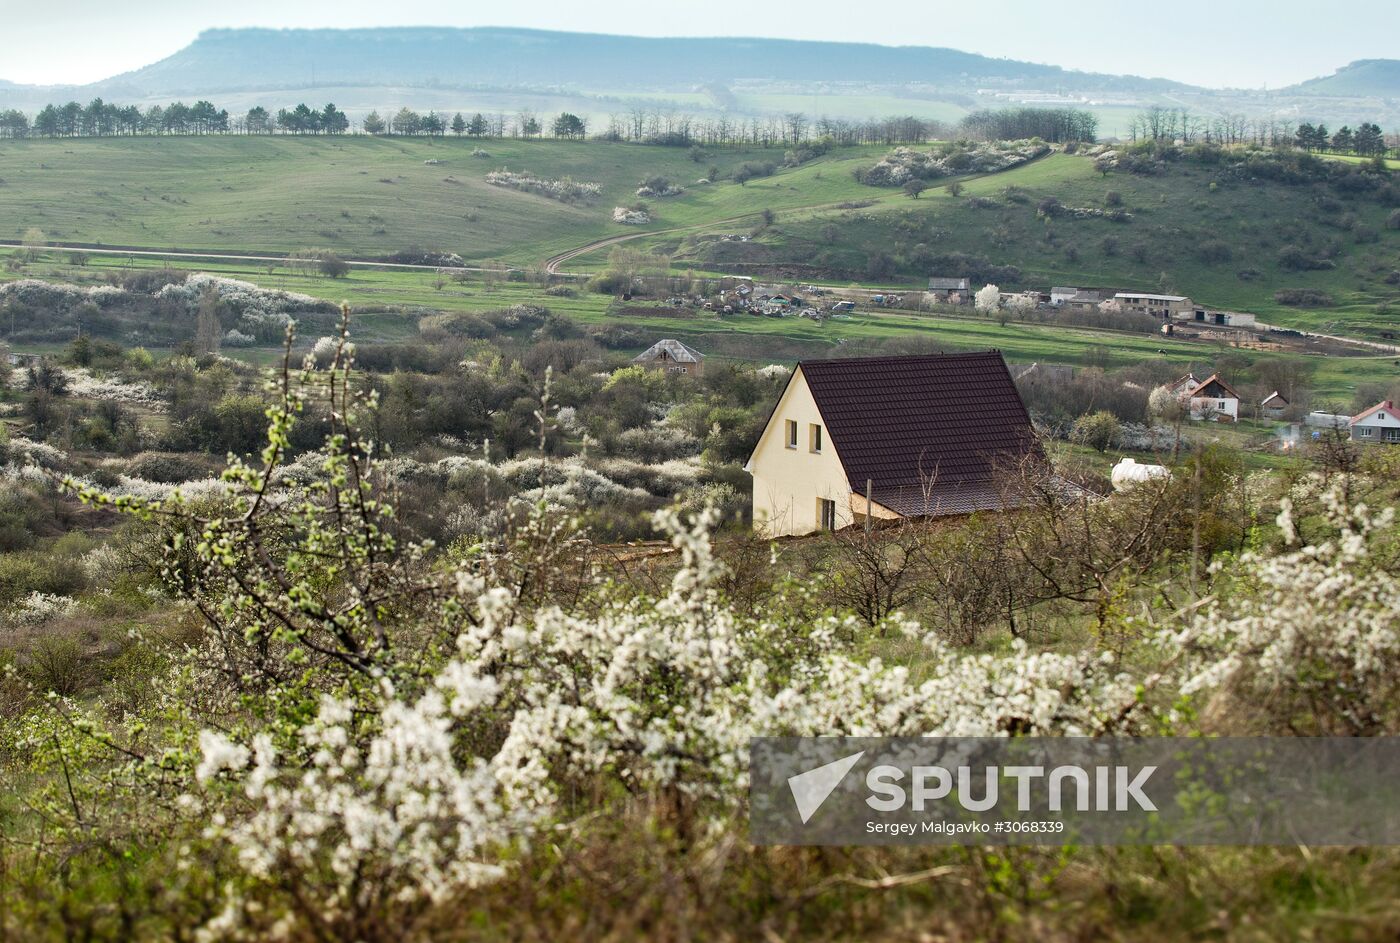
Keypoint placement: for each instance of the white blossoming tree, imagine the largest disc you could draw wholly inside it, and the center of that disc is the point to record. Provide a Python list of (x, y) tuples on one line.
[(1308, 641), (407, 718), (987, 299)]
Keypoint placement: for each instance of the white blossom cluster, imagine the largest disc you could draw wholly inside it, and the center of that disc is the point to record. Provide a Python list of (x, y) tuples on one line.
[(26, 451), (658, 442), (630, 217), (39, 608), (1103, 155), (236, 338), (670, 189), (1144, 438), (396, 815), (987, 299), (264, 312), (655, 693), (82, 383), (57, 297), (665, 478), (1321, 623), (39, 463), (906, 163), (566, 189)]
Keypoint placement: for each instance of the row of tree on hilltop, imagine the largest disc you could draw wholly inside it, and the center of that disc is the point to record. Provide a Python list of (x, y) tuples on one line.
[(649, 125), (1181, 124)]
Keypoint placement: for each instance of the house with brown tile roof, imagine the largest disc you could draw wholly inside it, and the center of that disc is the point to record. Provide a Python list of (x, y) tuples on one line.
[(924, 436), (1214, 399)]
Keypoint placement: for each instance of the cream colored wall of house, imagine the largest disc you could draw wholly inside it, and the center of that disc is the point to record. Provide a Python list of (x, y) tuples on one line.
[(787, 482)]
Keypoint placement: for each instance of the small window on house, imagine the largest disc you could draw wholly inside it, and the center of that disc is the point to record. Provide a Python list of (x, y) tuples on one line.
[(826, 513), (1365, 433), (814, 437), (792, 433), (1222, 404)]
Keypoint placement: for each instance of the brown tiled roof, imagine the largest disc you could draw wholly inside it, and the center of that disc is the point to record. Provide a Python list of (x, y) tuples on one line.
[(933, 433), (1220, 390)]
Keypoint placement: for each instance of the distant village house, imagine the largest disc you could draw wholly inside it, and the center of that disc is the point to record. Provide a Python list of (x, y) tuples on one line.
[(1274, 406), (1380, 423), (673, 357), (953, 291), (1211, 398), (1166, 307)]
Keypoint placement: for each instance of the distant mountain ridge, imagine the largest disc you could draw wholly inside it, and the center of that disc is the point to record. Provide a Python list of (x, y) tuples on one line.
[(248, 59), (506, 69)]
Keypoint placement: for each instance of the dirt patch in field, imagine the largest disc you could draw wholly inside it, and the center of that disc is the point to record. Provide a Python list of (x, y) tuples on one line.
[(647, 311)]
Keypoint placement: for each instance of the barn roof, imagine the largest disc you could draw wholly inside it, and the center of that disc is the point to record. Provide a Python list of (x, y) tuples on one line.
[(948, 284), (934, 434)]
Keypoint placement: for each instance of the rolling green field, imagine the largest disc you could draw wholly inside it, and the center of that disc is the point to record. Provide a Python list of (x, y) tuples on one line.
[(371, 196), (368, 197)]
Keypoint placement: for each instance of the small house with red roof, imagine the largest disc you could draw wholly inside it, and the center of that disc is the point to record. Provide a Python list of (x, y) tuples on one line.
[(1380, 423)]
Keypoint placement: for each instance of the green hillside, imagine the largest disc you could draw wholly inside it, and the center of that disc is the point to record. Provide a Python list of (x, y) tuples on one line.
[(1198, 230), (1371, 78), (1220, 232), (370, 196)]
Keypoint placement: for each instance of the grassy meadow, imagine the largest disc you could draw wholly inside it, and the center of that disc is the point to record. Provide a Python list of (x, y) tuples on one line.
[(366, 196), (369, 197)]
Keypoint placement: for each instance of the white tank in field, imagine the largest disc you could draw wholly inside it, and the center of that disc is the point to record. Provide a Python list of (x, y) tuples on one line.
[(1128, 473)]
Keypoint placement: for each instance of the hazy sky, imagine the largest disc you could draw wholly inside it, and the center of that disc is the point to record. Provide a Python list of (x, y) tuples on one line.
[(1205, 42)]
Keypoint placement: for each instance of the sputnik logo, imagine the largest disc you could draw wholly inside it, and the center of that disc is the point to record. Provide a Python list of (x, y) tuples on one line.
[(811, 789)]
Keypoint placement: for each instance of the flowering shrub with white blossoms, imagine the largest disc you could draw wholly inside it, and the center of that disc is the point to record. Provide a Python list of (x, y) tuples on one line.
[(566, 190), (263, 312), (41, 294), (665, 189), (906, 163), (630, 217), (236, 338), (81, 382), (1308, 640), (392, 816), (417, 718), (38, 608)]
